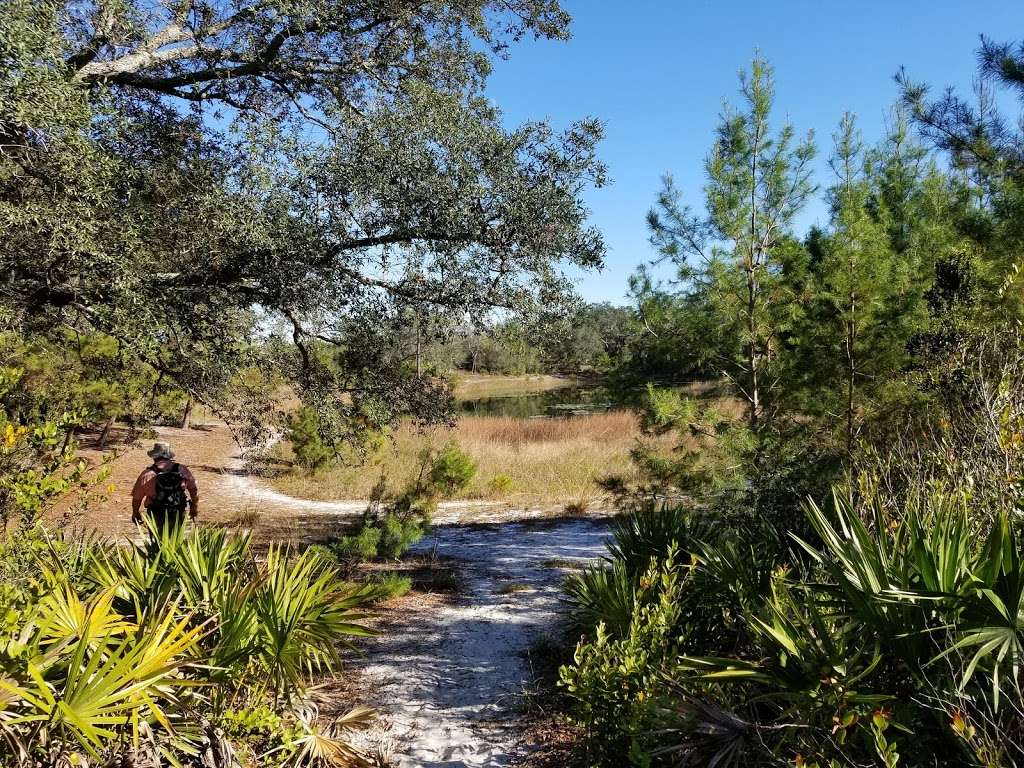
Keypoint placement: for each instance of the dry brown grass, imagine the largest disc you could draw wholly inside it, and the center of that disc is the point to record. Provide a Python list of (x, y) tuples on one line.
[(513, 432), (545, 461)]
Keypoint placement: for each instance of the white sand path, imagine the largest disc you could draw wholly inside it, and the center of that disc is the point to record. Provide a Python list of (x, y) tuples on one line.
[(448, 680), (251, 490)]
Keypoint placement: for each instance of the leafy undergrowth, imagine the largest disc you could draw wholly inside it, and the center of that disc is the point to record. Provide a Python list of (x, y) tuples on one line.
[(895, 638)]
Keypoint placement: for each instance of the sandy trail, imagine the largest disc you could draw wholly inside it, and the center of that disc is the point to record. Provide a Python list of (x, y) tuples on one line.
[(229, 494), (258, 493), (448, 678)]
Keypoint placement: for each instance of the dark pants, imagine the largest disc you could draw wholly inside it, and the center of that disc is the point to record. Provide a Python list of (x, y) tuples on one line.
[(164, 521)]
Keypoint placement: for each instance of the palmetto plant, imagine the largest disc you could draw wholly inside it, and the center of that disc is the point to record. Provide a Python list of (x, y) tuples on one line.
[(814, 675), (608, 593), (925, 601), (277, 620), (81, 674), (602, 594), (929, 583), (650, 532), (302, 614), (326, 746), (151, 635), (733, 571)]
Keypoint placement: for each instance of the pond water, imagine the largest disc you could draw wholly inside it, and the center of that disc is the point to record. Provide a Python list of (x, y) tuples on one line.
[(565, 401)]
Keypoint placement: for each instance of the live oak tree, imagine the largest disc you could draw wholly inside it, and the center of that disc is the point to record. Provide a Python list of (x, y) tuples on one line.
[(757, 182), (191, 178)]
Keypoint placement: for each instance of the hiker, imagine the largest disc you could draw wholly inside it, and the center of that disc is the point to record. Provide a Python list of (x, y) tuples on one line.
[(162, 488)]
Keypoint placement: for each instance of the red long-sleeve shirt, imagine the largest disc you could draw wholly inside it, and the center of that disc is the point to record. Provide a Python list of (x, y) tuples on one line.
[(144, 490)]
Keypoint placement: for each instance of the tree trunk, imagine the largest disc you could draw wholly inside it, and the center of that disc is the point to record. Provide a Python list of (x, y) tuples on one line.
[(186, 418), (851, 386), (419, 351), (105, 434), (752, 356), (753, 288), (68, 433)]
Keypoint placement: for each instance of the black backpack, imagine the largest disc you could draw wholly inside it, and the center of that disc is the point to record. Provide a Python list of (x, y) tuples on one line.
[(169, 501)]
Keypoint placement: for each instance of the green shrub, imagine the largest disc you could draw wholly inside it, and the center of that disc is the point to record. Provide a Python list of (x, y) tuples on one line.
[(388, 530), (26, 559), (358, 547), (397, 535), (501, 483), (894, 629), (452, 470), (260, 736), (327, 552), (388, 536), (390, 585), (615, 680), (307, 443)]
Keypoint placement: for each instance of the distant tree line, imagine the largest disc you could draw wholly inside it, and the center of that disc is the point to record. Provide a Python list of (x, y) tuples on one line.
[(591, 338)]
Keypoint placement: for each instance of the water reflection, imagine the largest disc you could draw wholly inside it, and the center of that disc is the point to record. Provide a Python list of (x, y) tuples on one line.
[(566, 401)]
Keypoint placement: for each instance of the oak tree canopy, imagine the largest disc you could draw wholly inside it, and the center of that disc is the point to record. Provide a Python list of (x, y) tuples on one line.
[(188, 176)]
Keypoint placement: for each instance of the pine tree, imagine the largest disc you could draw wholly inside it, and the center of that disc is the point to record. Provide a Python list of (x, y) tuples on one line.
[(758, 180), (308, 445), (858, 283)]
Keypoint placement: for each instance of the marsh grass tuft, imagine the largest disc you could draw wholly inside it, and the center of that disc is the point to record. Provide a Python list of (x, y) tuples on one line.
[(511, 589), (564, 563)]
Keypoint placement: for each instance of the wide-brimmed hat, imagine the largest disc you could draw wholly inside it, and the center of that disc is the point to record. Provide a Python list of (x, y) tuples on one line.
[(161, 451)]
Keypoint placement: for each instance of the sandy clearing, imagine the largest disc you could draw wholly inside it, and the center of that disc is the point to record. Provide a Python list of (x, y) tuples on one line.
[(448, 678)]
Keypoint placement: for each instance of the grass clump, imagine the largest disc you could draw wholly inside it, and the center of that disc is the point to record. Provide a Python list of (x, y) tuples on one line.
[(563, 563), (576, 508), (439, 579), (513, 588)]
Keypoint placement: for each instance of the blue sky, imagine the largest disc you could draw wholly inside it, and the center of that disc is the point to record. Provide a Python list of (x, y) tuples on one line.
[(656, 71)]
